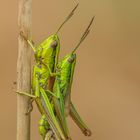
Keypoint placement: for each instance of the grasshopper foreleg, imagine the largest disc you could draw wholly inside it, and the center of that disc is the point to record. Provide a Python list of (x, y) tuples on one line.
[(26, 94), (30, 42), (52, 74), (51, 93), (33, 97)]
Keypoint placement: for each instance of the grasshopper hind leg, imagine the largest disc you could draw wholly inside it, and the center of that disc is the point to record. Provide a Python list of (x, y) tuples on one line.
[(78, 120)]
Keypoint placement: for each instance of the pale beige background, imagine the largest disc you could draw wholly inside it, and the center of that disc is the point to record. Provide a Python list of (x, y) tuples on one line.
[(106, 87)]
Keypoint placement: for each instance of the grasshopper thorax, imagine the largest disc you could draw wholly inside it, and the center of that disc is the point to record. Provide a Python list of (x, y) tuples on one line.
[(66, 69)]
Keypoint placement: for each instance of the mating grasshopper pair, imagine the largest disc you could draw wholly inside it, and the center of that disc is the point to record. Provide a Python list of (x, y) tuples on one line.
[(51, 86)]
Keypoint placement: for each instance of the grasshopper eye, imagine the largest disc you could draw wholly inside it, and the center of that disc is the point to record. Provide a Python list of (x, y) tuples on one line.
[(71, 59), (54, 44)]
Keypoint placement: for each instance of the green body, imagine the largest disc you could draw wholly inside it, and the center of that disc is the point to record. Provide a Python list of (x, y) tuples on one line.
[(46, 55), (66, 68), (62, 88)]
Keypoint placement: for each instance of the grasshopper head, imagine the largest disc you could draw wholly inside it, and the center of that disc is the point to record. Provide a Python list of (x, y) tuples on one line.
[(69, 59), (67, 63), (48, 50)]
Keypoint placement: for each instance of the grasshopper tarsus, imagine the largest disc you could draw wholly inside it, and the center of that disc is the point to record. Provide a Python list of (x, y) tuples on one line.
[(29, 111), (87, 132), (30, 107), (23, 36)]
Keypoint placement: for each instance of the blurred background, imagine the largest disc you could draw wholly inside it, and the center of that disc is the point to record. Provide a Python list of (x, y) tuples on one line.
[(106, 88)]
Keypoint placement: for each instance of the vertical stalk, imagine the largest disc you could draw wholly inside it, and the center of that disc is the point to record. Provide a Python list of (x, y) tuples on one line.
[(23, 70)]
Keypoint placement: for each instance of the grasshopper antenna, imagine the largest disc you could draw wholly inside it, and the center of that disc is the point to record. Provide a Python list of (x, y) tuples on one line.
[(67, 18), (84, 35), (76, 1)]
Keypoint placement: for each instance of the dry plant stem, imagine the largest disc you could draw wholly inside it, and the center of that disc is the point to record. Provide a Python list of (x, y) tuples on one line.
[(23, 70)]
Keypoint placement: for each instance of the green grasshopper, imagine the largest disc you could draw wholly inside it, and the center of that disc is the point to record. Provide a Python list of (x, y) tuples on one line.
[(46, 55), (62, 89)]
